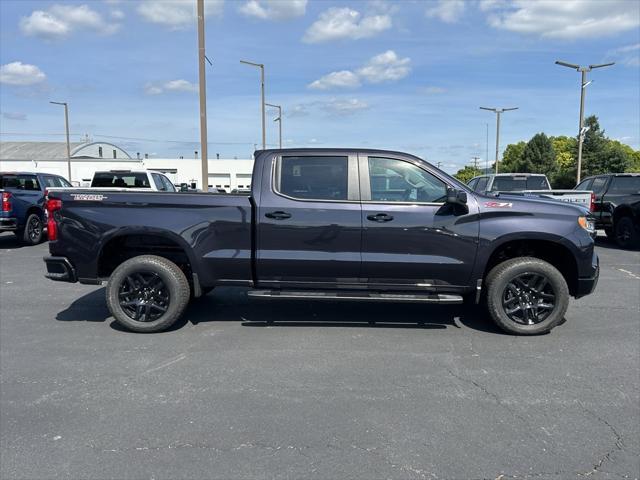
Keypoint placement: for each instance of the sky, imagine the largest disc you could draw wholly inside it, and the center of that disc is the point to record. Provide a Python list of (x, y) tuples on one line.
[(400, 75)]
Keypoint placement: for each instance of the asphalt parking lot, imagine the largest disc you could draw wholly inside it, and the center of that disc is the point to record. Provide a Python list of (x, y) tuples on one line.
[(251, 389)]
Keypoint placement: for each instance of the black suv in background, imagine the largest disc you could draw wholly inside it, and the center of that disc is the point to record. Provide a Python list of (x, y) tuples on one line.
[(617, 205)]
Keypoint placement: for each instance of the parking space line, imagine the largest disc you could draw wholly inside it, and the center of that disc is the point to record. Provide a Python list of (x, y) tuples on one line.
[(631, 274)]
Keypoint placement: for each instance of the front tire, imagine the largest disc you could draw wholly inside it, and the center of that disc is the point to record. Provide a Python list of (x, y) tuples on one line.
[(147, 293), (526, 296), (626, 234)]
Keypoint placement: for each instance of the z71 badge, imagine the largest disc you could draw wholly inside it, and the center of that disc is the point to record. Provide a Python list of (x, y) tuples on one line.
[(498, 204), (91, 197)]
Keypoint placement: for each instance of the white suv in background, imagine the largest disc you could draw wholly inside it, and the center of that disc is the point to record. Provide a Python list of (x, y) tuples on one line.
[(132, 180)]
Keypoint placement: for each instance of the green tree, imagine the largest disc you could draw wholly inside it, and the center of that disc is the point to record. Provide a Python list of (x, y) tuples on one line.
[(512, 158), (566, 150), (539, 156), (616, 157), (634, 165), (593, 148), (467, 173)]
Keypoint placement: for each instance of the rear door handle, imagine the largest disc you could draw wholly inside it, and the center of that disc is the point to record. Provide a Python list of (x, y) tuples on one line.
[(278, 215), (380, 217)]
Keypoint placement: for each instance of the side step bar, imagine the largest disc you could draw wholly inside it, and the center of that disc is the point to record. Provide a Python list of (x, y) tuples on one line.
[(357, 296)]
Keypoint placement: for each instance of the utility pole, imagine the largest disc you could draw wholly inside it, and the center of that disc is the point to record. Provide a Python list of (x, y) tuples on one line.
[(203, 99), (439, 164), (66, 126), (498, 111), (261, 67), (583, 87), (279, 120), (475, 162), (486, 156)]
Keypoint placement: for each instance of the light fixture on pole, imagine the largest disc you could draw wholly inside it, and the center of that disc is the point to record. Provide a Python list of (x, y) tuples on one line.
[(204, 158), (583, 85), (279, 120), (498, 111), (261, 67), (66, 124)]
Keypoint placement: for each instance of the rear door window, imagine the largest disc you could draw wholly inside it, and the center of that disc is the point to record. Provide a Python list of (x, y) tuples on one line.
[(598, 185), (20, 182), (626, 185), (314, 178), (586, 185)]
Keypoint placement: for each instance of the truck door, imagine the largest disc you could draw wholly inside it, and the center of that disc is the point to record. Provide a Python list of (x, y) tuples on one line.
[(309, 222), (410, 238)]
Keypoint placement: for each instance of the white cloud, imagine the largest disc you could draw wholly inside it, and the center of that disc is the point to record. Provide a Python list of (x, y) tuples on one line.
[(448, 11), (176, 14), (347, 106), (61, 20), (385, 67), (274, 9), (629, 55), (342, 79), (22, 74), (117, 14), (567, 20), (432, 90), (14, 116), (179, 85), (339, 23)]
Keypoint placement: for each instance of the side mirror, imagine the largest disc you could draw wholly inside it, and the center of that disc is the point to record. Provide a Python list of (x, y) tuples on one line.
[(456, 197)]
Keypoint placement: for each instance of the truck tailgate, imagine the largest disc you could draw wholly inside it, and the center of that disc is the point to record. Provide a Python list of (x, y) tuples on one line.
[(577, 197)]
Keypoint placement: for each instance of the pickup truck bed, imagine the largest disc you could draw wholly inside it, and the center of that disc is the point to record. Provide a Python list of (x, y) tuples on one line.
[(327, 224)]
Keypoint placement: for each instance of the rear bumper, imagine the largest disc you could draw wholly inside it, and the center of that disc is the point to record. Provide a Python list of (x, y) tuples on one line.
[(60, 269), (587, 285), (8, 224)]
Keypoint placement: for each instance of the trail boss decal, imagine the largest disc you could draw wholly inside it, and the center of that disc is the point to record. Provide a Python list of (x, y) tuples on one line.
[(498, 204), (91, 197)]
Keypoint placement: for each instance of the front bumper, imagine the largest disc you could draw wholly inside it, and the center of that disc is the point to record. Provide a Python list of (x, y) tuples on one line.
[(587, 285), (8, 224), (60, 269)]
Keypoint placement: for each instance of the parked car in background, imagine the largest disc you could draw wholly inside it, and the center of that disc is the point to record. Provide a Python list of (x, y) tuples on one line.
[(528, 184), (616, 205), (132, 179), (327, 224), (23, 197)]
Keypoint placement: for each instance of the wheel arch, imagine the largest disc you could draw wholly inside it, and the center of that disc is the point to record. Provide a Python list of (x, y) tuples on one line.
[(547, 248)]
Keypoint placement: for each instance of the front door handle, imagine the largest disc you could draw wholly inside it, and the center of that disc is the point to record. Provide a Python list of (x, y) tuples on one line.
[(278, 215), (380, 217)]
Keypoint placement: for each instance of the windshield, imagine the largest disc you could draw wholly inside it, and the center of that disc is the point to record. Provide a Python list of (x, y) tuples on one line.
[(518, 183)]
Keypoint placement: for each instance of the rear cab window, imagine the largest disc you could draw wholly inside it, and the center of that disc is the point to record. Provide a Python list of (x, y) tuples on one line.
[(625, 185), (120, 180), (19, 182), (517, 183), (322, 178)]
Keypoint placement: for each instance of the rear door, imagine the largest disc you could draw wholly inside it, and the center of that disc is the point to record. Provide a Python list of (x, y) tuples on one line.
[(25, 191), (410, 238), (309, 222)]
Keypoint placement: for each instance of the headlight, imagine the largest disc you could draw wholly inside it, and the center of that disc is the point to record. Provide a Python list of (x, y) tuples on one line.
[(587, 224)]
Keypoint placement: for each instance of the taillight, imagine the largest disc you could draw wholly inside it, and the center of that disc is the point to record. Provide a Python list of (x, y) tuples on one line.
[(6, 202), (592, 206), (53, 205)]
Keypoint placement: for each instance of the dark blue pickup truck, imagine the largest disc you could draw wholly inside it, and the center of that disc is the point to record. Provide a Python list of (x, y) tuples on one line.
[(327, 224), (23, 203)]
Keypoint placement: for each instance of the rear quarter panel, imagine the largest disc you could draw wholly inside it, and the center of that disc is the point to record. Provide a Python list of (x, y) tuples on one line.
[(214, 230)]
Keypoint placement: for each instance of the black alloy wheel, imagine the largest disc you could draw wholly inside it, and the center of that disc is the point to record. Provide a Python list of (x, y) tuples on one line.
[(528, 298), (143, 296)]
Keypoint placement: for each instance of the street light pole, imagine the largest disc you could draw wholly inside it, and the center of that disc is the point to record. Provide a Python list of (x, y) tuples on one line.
[(583, 88), (66, 125), (261, 67), (498, 111), (279, 120), (204, 158)]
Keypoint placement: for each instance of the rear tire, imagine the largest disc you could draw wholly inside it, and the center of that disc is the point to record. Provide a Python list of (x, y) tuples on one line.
[(32, 233), (526, 296), (610, 233), (626, 233), (147, 293)]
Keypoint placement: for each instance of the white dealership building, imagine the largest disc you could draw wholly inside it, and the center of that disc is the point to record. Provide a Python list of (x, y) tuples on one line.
[(87, 158)]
